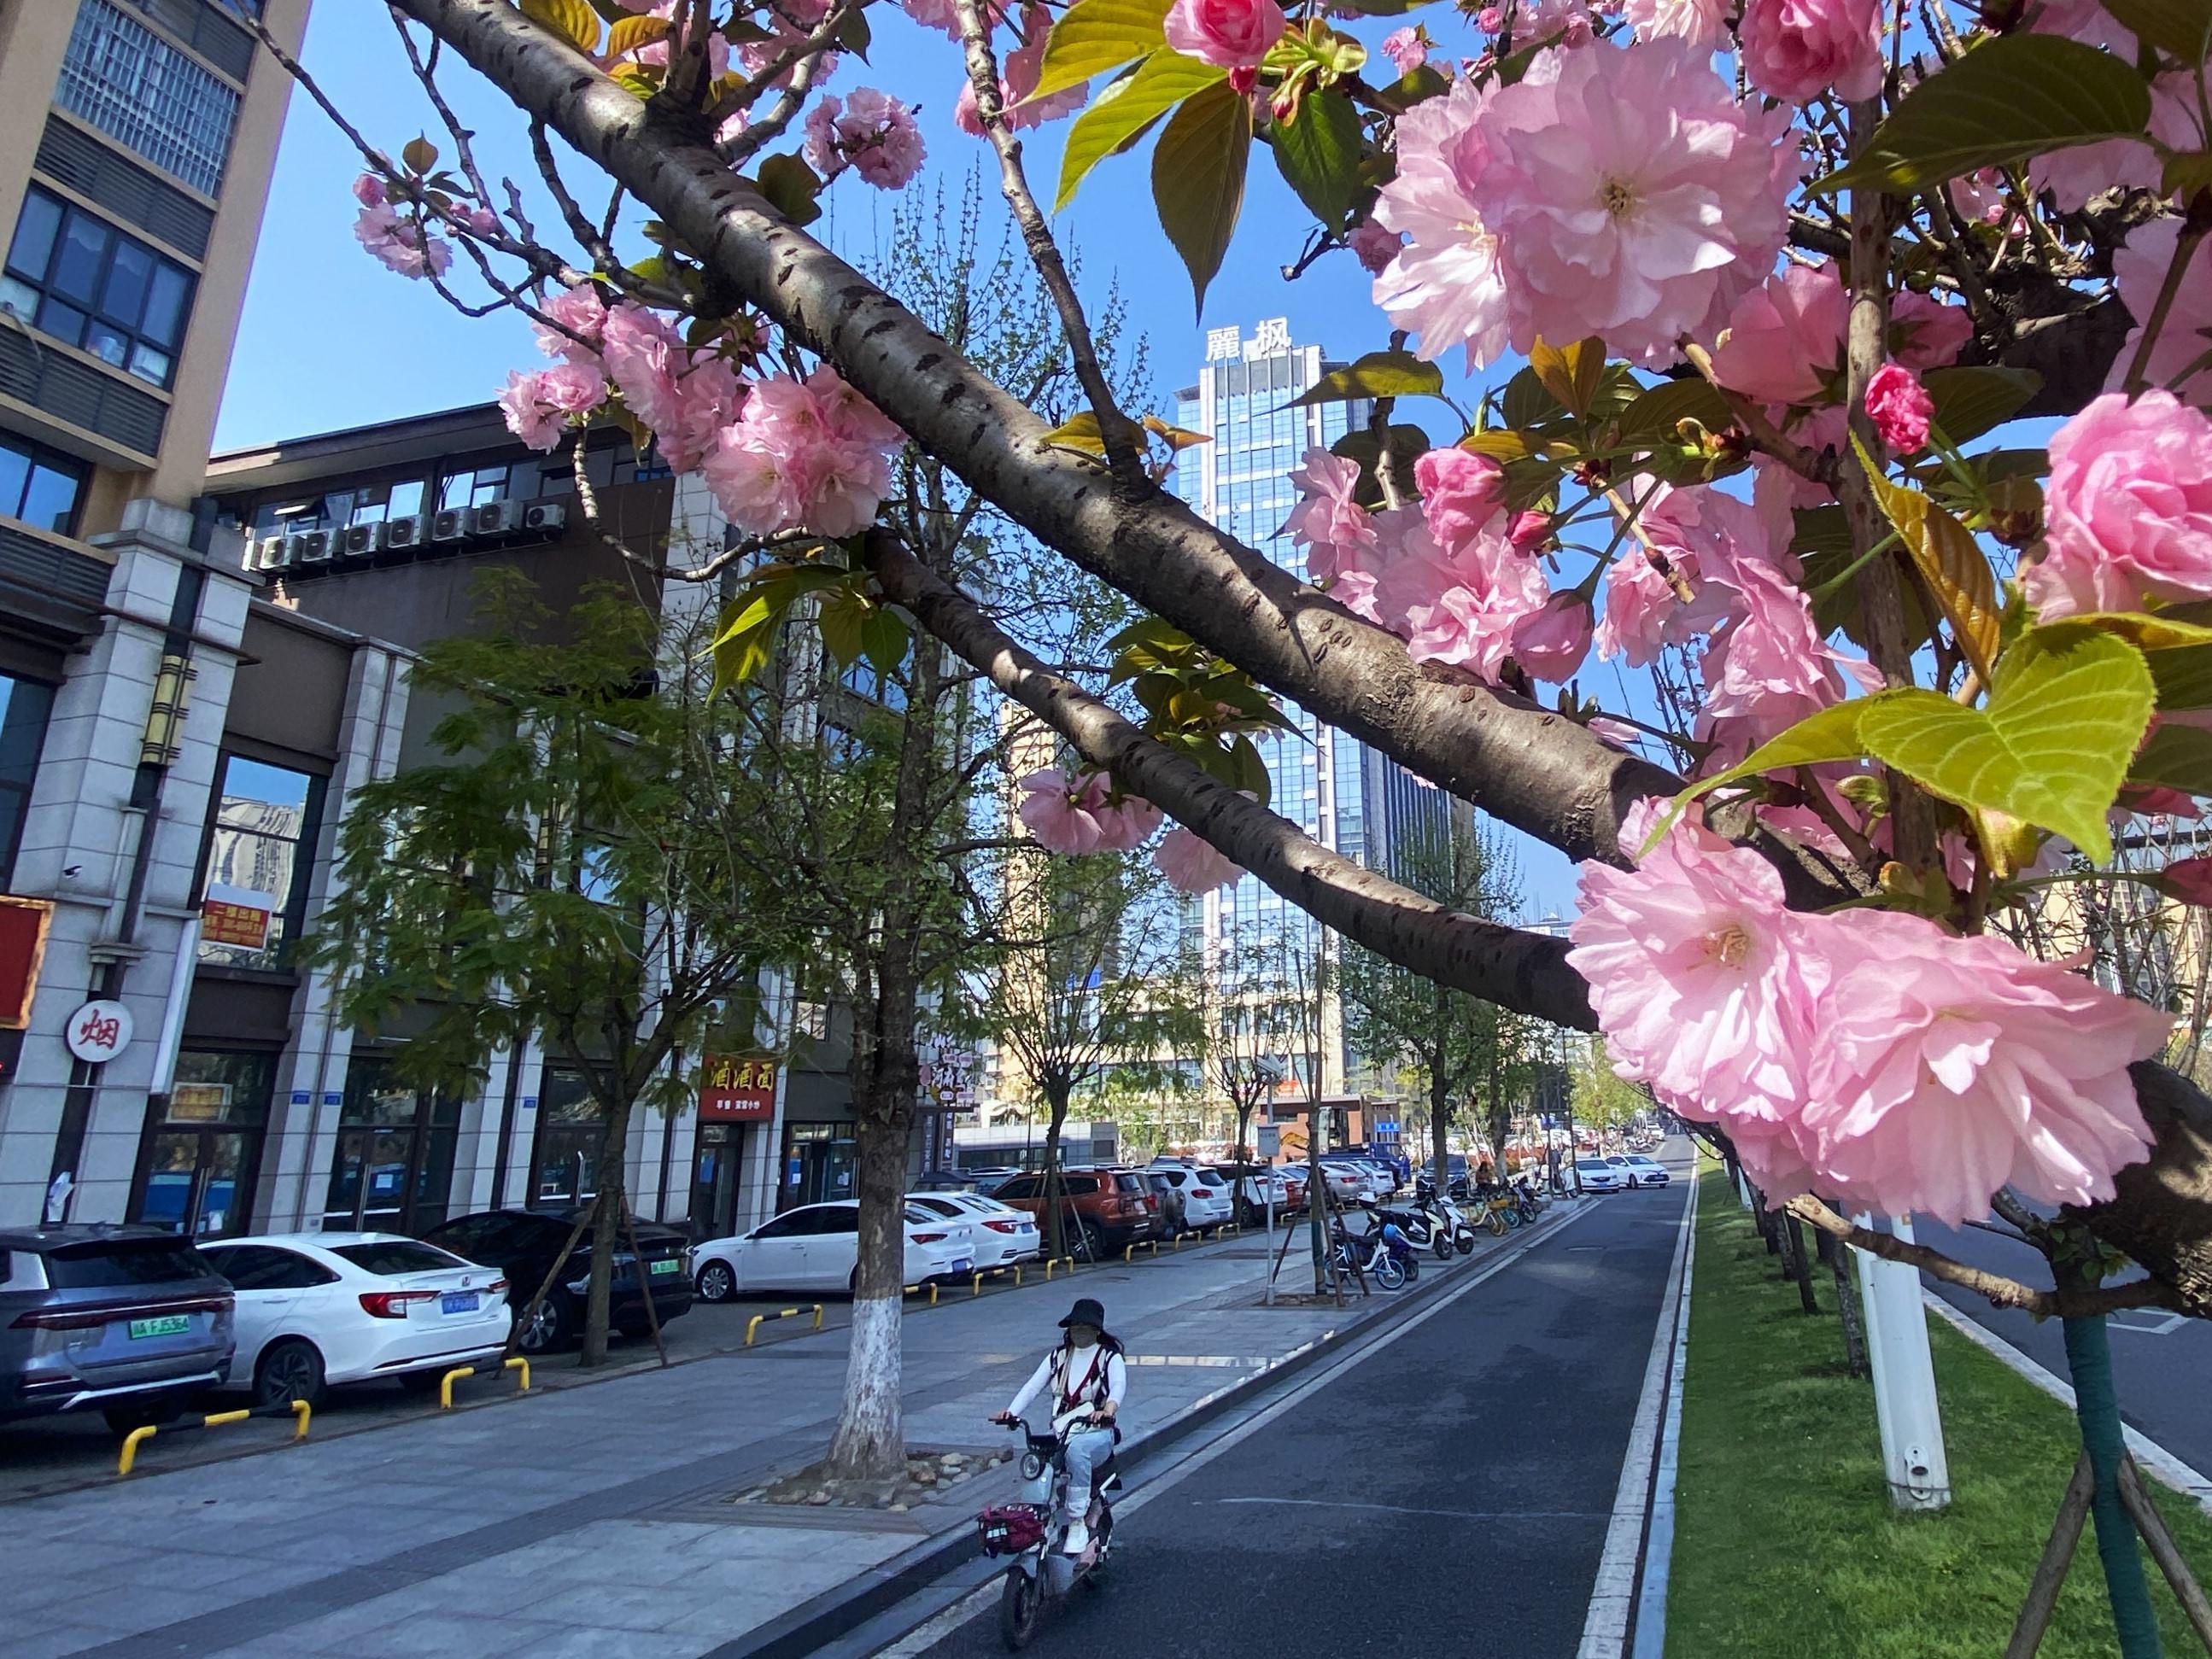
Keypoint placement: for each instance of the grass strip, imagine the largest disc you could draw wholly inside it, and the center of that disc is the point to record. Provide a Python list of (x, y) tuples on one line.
[(1784, 1539)]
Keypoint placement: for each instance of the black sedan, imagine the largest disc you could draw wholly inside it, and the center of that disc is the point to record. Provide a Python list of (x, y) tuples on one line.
[(523, 1243)]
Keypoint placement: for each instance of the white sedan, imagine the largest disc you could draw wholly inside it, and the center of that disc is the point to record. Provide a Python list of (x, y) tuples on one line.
[(998, 1235), (315, 1309), (817, 1247), (1600, 1175), (1643, 1172)]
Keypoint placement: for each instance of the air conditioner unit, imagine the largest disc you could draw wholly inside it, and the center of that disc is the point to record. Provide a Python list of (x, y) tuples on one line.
[(550, 517), (403, 534), (269, 553), (448, 525), (496, 519), (314, 547), (360, 540)]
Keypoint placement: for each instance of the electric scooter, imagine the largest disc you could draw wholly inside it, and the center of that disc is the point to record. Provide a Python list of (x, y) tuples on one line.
[(1031, 1530)]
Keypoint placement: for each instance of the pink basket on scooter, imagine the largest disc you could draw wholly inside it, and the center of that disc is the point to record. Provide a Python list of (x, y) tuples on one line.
[(1011, 1528)]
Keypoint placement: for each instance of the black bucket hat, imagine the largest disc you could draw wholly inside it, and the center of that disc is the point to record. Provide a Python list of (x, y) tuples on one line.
[(1087, 1310)]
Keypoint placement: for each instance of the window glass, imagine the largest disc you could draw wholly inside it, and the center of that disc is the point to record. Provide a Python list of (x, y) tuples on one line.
[(123, 297), (1021, 1187), (24, 706), (784, 1226), (260, 847), (83, 251), (118, 1262), (837, 1218), (33, 246), (93, 287), (143, 92), (167, 292), (396, 1255)]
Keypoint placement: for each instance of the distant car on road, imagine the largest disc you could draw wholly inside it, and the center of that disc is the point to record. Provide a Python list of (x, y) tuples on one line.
[(1206, 1200), (1642, 1172), (523, 1244), (315, 1309), (1600, 1175), (817, 1247), (127, 1320)]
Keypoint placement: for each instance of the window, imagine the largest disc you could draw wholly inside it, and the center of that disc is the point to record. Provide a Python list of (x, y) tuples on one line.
[(38, 485), (143, 92), (83, 282), (113, 1263), (1020, 1186), (396, 1255), (784, 1226), (264, 1267), (261, 844), (24, 706), (478, 486)]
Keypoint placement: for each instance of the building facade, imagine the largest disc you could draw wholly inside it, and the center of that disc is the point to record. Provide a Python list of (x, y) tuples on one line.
[(1343, 793), (136, 142)]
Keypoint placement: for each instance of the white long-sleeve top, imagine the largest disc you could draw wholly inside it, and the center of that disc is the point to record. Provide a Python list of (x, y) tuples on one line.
[(1088, 1371)]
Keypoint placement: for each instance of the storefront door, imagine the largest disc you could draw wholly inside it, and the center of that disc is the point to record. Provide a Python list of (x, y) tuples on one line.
[(820, 1164), (393, 1168), (197, 1164), (715, 1178), (565, 1155)]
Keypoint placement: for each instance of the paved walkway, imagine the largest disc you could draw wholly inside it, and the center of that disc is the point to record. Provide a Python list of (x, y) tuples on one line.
[(593, 1519)]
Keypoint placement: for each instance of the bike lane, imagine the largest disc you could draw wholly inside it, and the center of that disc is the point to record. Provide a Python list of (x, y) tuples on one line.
[(1460, 1479)]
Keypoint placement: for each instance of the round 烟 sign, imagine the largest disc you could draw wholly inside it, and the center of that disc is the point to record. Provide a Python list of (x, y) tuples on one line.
[(98, 1031)]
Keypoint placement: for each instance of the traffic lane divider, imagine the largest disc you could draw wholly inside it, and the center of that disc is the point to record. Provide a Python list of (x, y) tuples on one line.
[(298, 1410)]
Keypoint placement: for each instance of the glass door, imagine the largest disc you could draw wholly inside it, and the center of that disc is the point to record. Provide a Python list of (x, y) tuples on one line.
[(197, 1164), (392, 1170), (714, 1180)]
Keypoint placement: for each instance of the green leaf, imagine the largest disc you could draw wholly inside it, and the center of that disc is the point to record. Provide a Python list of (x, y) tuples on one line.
[(2176, 757), (1079, 431), (1318, 155), (853, 35), (1093, 36), (1417, 88), (1949, 561), (1654, 415), (2180, 29), (1970, 401), (2051, 748), (1198, 173), (1831, 734), (1571, 374), (2005, 100), (884, 635), (1124, 108), (843, 620), (791, 186), (629, 34), (574, 21), (1499, 444), (2184, 678), (1527, 402), (1378, 374)]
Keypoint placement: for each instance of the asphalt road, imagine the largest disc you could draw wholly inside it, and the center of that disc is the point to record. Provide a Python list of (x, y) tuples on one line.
[(2161, 1363), (1449, 1492)]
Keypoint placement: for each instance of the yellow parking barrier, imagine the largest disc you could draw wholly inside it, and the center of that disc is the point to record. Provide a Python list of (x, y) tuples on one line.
[(1178, 1242), (302, 1414), (1128, 1253), (1153, 1245), (818, 1316), (446, 1385), (516, 1364), (1017, 1276), (1049, 1267), (753, 1325), (216, 1420), (127, 1459)]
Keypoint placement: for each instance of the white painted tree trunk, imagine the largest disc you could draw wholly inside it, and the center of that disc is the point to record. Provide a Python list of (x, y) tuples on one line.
[(870, 1438)]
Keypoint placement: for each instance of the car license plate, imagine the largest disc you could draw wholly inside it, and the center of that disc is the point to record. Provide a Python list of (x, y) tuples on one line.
[(167, 1325), (459, 1302), (671, 1266)]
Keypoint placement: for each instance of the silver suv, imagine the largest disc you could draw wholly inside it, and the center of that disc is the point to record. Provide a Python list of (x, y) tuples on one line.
[(128, 1321)]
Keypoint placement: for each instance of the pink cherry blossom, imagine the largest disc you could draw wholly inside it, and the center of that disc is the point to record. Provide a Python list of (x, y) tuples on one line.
[(1701, 22), (1703, 534), (1550, 644), (1461, 493), (1338, 534), (582, 313), (1191, 865), (1235, 35), (1900, 408), (848, 416), (538, 407), (1406, 49), (1024, 68), (643, 353), (1125, 825), (1374, 246), (1445, 286), (1632, 196), (368, 189), (1060, 815), (1768, 668), (2177, 355), (870, 131), (1785, 337), (1796, 50), (1925, 333), (1697, 976), (2128, 510), (401, 244), (1949, 1067), (1528, 530), (1461, 606)]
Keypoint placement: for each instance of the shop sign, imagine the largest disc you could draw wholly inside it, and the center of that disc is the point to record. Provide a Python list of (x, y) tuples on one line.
[(199, 1102), (736, 1089), (98, 1031), (237, 916), (23, 924)]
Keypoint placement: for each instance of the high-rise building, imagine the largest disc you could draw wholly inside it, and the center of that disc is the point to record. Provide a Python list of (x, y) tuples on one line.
[(1343, 793), (136, 142)]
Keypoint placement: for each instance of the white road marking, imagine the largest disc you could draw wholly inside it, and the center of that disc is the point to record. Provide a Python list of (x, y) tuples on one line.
[(1450, 1515)]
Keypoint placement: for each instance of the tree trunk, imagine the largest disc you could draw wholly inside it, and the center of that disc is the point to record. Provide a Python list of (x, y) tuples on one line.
[(606, 1230), (1439, 1127), (1794, 1252), (1055, 1219), (1847, 1304)]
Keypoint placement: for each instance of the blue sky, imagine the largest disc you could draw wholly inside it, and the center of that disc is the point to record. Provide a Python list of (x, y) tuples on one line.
[(330, 339)]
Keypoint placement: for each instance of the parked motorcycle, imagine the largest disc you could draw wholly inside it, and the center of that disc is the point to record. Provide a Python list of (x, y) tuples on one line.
[(1031, 1529), (1454, 1230)]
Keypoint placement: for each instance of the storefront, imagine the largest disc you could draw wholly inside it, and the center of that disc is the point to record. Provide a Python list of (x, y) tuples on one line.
[(821, 1161), (737, 1092), (198, 1161), (392, 1170), (572, 1127)]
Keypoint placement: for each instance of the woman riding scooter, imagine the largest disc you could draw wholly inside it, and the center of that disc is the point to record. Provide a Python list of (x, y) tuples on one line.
[(1088, 1376)]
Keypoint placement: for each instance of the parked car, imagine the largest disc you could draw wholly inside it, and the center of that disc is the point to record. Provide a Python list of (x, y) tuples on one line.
[(1254, 1189), (1347, 1183), (1642, 1172), (998, 1235), (1206, 1203), (127, 1320), (1599, 1175), (1108, 1208), (817, 1247), (315, 1309), (524, 1244)]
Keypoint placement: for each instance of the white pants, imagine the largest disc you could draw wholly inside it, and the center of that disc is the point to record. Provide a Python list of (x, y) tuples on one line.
[(1086, 1450)]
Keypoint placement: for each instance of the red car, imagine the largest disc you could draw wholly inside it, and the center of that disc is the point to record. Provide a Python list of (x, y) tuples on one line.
[(1103, 1210)]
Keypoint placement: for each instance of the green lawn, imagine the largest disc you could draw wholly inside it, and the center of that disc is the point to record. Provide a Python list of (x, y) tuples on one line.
[(1784, 1539)]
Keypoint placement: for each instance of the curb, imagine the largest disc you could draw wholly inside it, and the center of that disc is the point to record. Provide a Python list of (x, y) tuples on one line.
[(844, 1607), (2154, 1458)]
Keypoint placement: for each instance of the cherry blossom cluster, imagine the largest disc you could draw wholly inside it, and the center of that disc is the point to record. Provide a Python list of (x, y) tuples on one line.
[(870, 131), (400, 240), (1870, 1056), (1085, 813)]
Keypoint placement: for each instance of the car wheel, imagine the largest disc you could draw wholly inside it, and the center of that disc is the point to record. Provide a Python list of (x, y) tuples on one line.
[(551, 1325), (1094, 1241), (157, 1414), (289, 1369), (717, 1283)]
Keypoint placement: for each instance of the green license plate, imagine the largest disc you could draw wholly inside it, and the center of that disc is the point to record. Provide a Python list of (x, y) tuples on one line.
[(671, 1266), (167, 1325)]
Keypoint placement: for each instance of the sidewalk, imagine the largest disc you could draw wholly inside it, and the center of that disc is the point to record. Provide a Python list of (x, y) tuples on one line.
[(595, 1519)]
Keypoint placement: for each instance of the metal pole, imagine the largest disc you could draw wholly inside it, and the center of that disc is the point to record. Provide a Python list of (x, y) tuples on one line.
[(1906, 1409)]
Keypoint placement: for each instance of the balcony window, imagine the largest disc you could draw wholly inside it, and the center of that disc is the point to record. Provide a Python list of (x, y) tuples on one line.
[(38, 485), (145, 93), (83, 282)]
